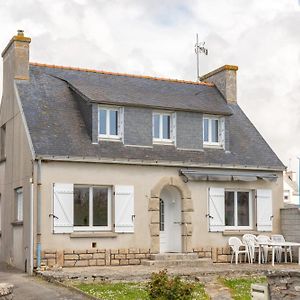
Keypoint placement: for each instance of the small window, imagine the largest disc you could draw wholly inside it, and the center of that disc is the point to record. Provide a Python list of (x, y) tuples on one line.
[(238, 209), (2, 141), (92, 207), (161, 215), (163, 127), (109, 122), (213, 131), (19, 205)]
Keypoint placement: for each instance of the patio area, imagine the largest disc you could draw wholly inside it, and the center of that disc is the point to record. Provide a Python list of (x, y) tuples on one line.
[(141, 273)]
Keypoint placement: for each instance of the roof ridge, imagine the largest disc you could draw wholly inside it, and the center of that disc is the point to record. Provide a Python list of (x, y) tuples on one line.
[(120, 74)]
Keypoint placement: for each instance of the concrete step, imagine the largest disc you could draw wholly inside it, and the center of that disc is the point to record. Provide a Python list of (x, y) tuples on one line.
[(174, 256), (186, 263)]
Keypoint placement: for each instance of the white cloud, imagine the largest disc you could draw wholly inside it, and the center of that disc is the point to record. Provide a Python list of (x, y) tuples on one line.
[(157, 37)]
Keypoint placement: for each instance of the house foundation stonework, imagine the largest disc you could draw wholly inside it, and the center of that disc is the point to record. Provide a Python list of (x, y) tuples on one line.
[(104, 169), (119, 257)]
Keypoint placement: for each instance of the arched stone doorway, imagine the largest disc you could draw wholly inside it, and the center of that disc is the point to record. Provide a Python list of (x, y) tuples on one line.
[(186, 210)]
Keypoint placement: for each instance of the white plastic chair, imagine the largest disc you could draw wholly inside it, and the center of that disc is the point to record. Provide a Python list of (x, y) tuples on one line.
[(235, 244), (279, 238), (250, 241), (264, 239)]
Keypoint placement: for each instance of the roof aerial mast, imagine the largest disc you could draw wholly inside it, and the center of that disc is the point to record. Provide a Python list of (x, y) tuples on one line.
[(199, 48)]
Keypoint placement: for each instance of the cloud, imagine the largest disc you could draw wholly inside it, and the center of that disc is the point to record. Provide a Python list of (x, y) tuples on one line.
[(157, 38)]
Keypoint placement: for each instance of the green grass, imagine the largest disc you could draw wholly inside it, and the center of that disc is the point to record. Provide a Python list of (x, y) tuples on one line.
[(129, 291), (241, 287)]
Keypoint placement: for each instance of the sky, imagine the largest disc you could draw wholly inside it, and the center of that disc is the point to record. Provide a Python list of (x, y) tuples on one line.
[(157, 38)]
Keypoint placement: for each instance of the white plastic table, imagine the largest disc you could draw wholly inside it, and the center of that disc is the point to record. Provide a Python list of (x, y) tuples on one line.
[(274, 245)]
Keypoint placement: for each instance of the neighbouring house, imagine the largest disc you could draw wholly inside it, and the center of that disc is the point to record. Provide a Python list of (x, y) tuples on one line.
[(102, 168), (290, 188)]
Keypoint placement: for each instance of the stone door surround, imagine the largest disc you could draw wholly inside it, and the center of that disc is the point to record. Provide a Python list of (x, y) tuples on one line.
[(186, 210)]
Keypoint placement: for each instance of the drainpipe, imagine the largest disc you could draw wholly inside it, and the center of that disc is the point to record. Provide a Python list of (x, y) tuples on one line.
[(38, 228), (30, 271)]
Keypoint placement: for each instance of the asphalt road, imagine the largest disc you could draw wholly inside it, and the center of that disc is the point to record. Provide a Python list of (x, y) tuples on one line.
[(33, 288)]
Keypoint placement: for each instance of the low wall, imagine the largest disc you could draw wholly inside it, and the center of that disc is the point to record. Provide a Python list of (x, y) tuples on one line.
[(118, 257), (284, 285), (290, 224)]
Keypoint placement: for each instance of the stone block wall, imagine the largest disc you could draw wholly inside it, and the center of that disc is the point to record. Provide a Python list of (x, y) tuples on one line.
[(284, 284), (290, 224), (94, 257), (218, 255), (119, 257)]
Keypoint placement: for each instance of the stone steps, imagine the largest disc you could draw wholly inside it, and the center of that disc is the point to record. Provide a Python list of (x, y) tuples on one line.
[(176, 259)]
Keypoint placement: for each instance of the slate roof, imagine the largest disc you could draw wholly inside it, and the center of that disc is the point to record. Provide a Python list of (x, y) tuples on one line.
[(57, 127)]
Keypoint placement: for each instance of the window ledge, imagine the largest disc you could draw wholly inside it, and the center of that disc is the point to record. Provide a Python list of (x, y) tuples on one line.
[(17, 223), (91, 234), (209, 146), (239, 232)]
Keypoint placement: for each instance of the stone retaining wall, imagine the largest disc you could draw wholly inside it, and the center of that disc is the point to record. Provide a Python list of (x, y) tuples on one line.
[(284, 285), (119, 257)]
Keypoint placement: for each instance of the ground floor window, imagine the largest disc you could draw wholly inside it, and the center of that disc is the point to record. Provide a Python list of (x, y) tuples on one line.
[(19, 205), (92, 207), (238, 209)]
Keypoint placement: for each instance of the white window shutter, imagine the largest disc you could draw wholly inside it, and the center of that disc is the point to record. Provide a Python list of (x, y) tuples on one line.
[(264, 210), (216, 209), (124, 208), (121, 122), (63, 207), (173, 127), (222, 131)]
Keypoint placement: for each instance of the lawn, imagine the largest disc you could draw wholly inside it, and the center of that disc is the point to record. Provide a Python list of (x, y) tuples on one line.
[(241, 287), (128, 291)]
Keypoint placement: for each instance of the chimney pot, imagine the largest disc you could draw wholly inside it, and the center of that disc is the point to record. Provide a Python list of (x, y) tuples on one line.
[(20, 32)]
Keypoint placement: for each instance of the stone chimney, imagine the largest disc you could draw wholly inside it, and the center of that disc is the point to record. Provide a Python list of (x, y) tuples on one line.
[(224, 79), (16, 59)]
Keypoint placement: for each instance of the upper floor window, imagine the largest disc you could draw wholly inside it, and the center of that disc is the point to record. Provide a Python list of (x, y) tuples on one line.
[(213, 131), (109, 122), (163, 127)]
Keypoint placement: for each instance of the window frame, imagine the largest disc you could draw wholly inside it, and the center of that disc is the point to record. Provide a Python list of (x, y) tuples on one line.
[(210, 143), (109, 136), (19, 210), (172, 130), (91, 227), (251, 210)]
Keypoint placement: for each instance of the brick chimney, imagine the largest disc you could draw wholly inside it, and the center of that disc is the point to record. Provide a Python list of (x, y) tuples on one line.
[(224, 79), (16, 60)]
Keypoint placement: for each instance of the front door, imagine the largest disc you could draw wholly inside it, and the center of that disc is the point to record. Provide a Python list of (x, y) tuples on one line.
[(170, 220)]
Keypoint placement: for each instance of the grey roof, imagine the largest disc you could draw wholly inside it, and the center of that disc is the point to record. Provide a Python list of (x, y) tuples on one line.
[(57, 128), (141, 91)]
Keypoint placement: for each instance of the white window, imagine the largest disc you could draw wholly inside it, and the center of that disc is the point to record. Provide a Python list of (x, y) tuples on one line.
[(109, 122), (213, 131), (92, 207), (19, 204), (89, 208), (163, 127), (238, 209)]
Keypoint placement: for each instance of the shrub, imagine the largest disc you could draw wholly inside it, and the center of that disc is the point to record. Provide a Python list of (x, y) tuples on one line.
[(163, 287)]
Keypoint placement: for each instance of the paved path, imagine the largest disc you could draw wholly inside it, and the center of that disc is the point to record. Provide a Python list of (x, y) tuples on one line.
[(33, 288)]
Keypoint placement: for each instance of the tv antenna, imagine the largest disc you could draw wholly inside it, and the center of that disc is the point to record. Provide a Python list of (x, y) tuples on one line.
[(199, 48)]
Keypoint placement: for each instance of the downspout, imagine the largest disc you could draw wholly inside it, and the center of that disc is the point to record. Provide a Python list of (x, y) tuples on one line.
[(38, 228), (30, 271)]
